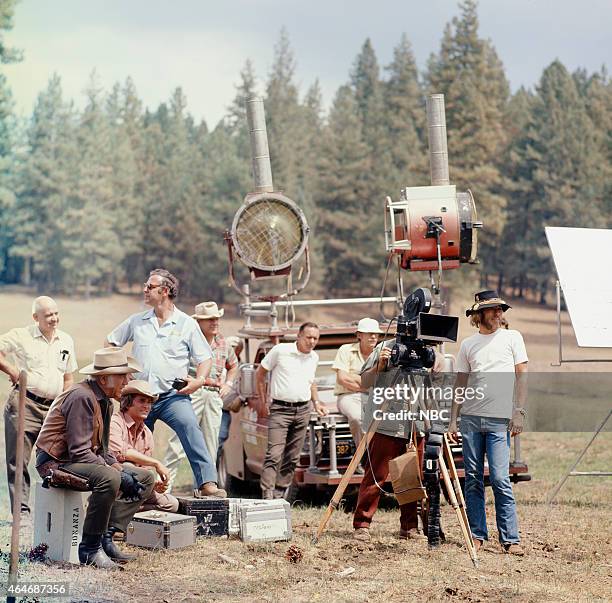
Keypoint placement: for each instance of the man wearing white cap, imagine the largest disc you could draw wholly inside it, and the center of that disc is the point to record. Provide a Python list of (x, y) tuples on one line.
[(208, 400), (131, 441), (347, 364), (75, 438)]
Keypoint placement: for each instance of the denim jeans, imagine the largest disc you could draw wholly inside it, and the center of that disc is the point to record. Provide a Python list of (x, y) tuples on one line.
[(176, 411), (490, 436), (226, 419)]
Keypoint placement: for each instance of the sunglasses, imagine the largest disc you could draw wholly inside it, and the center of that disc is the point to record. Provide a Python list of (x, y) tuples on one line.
[(148, 287)]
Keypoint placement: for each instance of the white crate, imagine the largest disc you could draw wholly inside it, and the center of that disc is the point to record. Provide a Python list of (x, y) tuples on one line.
[(59, 515), (265, 520), (235, 505)]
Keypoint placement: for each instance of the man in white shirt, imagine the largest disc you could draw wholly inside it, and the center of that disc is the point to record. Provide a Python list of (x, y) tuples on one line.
[(493, 362), (47, 355), (292, 368)]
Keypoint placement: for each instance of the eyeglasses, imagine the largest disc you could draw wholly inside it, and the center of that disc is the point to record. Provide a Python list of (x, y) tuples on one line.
[(148, 287)]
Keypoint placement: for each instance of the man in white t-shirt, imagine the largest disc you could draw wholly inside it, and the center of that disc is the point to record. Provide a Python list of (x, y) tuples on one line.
[(292, 368), (490, 393)]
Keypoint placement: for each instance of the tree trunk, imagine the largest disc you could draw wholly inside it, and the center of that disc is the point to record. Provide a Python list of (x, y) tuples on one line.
[(26, 276)]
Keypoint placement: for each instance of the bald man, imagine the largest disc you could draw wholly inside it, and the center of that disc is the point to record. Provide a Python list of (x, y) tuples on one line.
[(47, 356)]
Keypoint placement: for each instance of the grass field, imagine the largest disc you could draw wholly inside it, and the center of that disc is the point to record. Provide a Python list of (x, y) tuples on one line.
[(568, 545)]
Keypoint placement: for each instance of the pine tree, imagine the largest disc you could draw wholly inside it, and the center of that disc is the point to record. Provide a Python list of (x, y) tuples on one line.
[(7, 134), (469, 73), (343, 203), (405, 120), (44, 190)]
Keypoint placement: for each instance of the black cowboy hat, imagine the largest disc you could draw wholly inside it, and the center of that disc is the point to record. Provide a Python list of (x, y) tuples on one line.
[(487, 299)]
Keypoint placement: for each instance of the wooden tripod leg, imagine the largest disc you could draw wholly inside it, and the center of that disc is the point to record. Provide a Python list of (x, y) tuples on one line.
[(344, 482), (452, 470), (465, 529)]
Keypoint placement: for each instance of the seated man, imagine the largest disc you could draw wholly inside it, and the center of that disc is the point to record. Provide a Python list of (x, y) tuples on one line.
[(131, 441), (347, 364), (74, 437)]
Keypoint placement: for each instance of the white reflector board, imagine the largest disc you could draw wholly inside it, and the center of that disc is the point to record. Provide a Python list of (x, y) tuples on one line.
[(582, 259)]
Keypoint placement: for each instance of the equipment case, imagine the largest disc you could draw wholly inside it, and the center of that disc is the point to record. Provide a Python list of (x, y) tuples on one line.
[(211, 514), (265, 520), (161, 530)]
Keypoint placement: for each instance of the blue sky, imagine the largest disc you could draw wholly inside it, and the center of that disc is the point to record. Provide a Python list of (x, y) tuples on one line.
[(201, 45)]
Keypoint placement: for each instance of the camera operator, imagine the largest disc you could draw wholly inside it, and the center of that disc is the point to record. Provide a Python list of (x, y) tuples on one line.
[(388, 442)]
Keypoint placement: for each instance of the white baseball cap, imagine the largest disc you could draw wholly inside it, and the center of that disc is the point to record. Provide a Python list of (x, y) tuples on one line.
[(368, 325)]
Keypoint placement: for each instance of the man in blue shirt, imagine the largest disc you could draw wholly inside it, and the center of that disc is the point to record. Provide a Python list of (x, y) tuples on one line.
[(165, 341)]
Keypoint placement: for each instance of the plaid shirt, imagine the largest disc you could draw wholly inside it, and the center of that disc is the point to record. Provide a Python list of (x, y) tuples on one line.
[(224, 357)]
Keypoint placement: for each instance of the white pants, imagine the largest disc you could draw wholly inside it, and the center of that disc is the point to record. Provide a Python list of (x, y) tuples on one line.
[(208, 407), (350, 405)]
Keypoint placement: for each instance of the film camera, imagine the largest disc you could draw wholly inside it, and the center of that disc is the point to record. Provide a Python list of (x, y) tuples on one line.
[(418, 331)]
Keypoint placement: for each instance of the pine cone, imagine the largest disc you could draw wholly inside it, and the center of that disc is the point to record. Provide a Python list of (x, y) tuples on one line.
[(294, 554), (38, 553)]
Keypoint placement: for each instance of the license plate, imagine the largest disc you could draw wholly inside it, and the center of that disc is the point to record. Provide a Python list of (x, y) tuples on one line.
[(342, 449)]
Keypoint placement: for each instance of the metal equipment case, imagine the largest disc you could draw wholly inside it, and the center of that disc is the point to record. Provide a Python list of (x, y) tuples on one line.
[(211, 514), (161, 530), (265, 520)]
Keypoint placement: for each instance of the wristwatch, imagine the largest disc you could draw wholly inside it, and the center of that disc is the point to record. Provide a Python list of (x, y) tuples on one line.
[(521, 410)]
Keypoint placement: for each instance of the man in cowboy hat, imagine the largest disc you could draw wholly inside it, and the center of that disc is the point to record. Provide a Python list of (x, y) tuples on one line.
[(208, 400), (131, 441), (166, 341), (47, 355), (347, 364), (494, 363), (75, 438)]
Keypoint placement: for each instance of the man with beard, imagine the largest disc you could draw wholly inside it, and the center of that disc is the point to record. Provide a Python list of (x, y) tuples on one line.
[(493, 361)]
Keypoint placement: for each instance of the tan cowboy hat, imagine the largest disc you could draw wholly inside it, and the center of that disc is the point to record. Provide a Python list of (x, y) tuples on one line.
[(137, 386), (111, 361), (207, 310)]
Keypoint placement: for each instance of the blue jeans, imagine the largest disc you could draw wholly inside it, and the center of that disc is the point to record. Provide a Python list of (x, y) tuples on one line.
[(485, 435), (226, 419), (176, 411)]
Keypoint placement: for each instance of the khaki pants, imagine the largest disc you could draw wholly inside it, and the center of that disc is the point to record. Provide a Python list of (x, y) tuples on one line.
[(160, 502), (287, 428), (350, 405), (34, 416), (208, 408), (105, 510)]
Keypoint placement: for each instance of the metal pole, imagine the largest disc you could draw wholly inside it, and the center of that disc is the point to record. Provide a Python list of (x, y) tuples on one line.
[(559, 339), (436, 132), (312, 445), (260, 154), (333, 458), (571, 471), (14, 559)]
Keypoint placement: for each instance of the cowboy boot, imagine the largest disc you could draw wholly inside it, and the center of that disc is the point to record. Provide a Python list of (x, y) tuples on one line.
[(111, 549), (91, 553)]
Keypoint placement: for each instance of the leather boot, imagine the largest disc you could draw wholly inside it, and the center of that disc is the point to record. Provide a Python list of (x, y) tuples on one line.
[(111, 549), (210, 489), (91, 553)]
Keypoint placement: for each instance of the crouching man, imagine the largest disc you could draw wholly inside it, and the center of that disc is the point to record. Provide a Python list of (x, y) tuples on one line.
[(131, 441), (75, 437)]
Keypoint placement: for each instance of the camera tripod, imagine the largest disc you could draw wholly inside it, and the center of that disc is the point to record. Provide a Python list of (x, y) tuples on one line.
[(444, 459)]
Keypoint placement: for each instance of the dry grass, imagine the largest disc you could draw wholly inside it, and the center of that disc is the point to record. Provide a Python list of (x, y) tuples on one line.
[(568, 545)]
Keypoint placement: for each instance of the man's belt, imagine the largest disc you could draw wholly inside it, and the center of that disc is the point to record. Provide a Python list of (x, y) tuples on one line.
[(38, 399), (290, 404)]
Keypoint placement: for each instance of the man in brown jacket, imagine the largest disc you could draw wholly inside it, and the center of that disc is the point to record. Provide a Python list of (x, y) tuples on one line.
[(75, 437)]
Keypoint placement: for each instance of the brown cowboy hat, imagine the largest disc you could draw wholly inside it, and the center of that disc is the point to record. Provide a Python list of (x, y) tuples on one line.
[(207, 310), (487, 299), (111, 361), (137, 386)]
